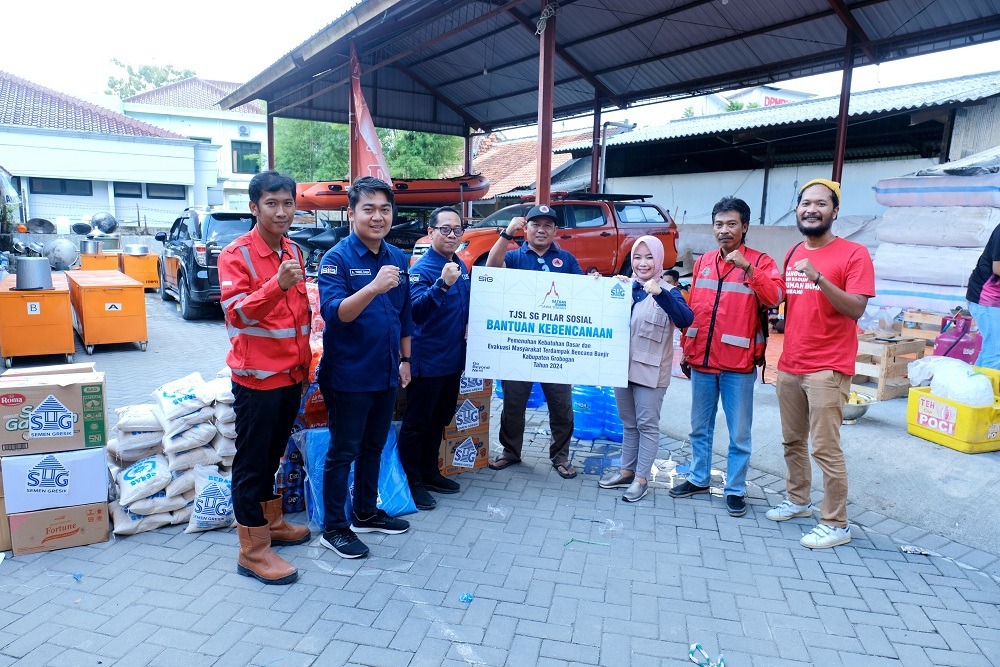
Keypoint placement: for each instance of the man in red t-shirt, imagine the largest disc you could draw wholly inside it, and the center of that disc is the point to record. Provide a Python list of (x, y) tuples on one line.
[(829, 281)]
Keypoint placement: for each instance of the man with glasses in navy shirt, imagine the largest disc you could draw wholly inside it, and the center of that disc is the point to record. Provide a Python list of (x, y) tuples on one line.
[(439, 297), (538, 253)]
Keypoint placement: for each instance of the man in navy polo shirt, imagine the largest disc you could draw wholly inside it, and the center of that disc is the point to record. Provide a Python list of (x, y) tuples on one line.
[(439, 292), (538, 253), (365, 300)]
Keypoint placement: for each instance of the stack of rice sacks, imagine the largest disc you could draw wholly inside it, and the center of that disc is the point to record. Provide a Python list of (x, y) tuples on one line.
[(172, 459)]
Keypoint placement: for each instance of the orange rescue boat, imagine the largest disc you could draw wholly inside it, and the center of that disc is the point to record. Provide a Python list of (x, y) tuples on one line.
[(332, 195)]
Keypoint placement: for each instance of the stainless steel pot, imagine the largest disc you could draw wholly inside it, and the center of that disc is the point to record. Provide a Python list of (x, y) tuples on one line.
[(90, 247), (136, 249), (33, 273)]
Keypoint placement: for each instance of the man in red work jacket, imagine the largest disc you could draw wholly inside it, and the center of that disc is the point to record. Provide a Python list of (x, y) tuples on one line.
[(267, 317), (723, 346)]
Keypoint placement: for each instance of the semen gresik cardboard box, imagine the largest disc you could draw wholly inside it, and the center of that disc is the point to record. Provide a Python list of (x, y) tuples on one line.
[(59, 528), (51, 413), (60, 479)]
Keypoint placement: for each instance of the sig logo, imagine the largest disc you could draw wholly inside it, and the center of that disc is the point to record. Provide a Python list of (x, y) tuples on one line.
[(485, 279), (213, 501), (465, 454), (471, 385), (51, 419), (467, 416), (48, 476), (12, 399), (617, 291)]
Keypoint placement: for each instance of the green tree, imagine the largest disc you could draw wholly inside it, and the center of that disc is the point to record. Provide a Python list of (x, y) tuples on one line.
[(753, 105), (135, 80), (420, 154), (688, 112), (309, 150), (734, 105)]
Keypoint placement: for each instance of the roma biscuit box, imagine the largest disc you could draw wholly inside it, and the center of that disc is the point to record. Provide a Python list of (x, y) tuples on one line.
[(58, 369), (461, 454), (472, 415), (51, 413), (59, 528), (4, 527)]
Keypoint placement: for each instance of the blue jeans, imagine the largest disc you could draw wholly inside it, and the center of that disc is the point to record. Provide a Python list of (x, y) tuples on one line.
[(736, 390), (988, 320), (359, 424)]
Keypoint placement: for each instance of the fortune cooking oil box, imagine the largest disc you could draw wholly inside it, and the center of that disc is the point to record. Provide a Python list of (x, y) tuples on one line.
[(51, 413)]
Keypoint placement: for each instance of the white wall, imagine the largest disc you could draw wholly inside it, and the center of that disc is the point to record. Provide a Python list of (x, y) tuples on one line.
[(690, 197)]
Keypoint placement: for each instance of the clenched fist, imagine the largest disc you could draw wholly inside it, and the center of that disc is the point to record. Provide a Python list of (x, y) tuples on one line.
[(289, 273), (450, 273), (387, 279), (516, 226)]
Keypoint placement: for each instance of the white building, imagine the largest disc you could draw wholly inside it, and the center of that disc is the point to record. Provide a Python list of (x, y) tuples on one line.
[(190, 108), (70, 160)]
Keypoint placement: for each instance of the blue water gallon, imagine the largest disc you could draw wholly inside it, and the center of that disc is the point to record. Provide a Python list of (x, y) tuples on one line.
[(588, 412), (498, 388), (536, 398), (613, 429)]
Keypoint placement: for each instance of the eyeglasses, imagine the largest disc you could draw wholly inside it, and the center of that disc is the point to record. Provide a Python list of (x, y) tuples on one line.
[(450, 231)]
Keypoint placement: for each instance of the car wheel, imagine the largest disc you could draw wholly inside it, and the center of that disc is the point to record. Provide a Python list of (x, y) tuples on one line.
[(164, 294), (189, 311)]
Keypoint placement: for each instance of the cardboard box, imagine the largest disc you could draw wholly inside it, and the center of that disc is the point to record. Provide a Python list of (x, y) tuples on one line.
[(4, 528), (475, 387), (472, 414), (58, 369), (466, 453), (51, 413), (59, 528), (60, 479)]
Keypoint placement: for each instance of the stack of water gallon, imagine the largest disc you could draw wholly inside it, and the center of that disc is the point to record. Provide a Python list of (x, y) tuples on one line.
[(171, 459), (934, 231)]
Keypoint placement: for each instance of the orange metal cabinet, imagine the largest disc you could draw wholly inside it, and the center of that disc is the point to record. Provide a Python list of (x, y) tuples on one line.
[(35, 321), (144, 268), (102, 261), (108, 307)]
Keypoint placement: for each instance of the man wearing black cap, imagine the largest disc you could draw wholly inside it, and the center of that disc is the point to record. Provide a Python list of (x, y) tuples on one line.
[(538, 253)]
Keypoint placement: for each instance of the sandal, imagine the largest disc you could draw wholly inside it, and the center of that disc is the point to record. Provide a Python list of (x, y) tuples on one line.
[(500, 463), (565, 470)]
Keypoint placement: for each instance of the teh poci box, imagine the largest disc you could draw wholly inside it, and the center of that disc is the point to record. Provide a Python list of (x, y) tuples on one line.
[(51, 413), (59, 528)]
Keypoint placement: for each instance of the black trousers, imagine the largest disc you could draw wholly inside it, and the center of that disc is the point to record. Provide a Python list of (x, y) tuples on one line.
[(515, 399), (264, 421), (430, 405)]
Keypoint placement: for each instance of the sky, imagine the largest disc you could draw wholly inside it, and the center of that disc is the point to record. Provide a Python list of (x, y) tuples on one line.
[(68, 46)]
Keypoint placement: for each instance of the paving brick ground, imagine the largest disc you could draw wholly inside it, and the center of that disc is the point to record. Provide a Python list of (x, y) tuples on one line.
[(552, 585)]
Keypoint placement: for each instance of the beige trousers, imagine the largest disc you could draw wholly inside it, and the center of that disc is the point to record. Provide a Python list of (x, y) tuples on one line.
[(812, 406)]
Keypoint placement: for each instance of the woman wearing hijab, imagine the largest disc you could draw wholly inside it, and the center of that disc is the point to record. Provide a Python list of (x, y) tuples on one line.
[(657, 307)]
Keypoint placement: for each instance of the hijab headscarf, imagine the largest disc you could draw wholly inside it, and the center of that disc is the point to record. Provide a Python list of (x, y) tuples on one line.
[(655, 247)]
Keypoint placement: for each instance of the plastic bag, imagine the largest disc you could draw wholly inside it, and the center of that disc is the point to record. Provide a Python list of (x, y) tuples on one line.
[(224, 447), (127, 523), (196, 436), (213, 501), (921, 371), (968, 387), (137, 418), (182, 481), (143, 478), (224, 414), (172, 427), (158, 503), (181, 397), (227, 430), (221, 390), (200, 456)]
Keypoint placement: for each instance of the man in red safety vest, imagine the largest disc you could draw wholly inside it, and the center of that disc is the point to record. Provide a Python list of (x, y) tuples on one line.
[(267, 317)]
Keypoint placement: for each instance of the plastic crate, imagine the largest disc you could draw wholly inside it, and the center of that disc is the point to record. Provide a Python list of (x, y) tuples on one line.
[(955, 425)]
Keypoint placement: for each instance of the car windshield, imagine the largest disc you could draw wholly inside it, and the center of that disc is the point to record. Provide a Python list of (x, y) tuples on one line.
[(503, 217), (222, 231)]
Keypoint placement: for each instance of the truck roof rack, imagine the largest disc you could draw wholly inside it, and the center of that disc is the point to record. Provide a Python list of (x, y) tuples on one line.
[(588, 196)]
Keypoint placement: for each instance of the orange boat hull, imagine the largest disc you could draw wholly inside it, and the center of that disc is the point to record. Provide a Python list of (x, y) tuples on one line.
[(332, 195)]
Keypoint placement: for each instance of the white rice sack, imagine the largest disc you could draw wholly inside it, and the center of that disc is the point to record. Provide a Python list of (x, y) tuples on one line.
[(196, 436), (227, 430), (143, 478), (181, 397), (182, 482), (226, 464), (130, 456), (137, 418), (201, 456), (222, 389), (183, 515), (224, 447), (224, 372), (158, 503), (174, 426), (213, 502), (224, 414), (127, 523), (128, 440)]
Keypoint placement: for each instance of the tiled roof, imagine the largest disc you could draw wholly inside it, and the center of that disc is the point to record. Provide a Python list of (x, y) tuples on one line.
[(194, 93), (23, 103), (511, 164), (886, 100)]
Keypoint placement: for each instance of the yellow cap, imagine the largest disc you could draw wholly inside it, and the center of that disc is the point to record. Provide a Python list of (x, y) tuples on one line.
[(833, 185)]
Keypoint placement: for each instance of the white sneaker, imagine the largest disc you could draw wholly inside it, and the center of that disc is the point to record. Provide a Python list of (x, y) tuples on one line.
[(824, 537), (788, 510)]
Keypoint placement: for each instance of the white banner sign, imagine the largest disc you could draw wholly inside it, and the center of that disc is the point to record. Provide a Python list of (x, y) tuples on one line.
[(548, 327)]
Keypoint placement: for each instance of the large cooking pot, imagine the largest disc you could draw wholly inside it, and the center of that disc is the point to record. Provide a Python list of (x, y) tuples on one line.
[(33, 273), (90, 247), (136, 249)]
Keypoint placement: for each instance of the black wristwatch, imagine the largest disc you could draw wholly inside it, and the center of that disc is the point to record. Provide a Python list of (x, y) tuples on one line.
[(404, 360), (507, 236), (441, 284)]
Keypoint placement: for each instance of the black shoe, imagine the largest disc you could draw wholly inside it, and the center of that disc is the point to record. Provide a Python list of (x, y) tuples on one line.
[(686, 488), (438, 483), (379, 522), (422, 499), (736, 506), (344, 543)]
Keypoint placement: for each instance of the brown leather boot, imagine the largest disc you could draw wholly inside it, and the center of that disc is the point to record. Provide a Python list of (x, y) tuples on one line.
[(283, 534), (257, 558)]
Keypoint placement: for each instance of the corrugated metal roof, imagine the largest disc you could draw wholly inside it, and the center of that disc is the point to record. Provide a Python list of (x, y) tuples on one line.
[(446, 65), (897, 98)]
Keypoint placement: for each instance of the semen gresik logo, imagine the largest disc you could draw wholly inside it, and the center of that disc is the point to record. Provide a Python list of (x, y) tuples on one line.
[(51, 419), (48, 476)]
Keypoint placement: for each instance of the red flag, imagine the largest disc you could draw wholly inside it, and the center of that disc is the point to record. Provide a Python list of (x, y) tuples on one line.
[(366, 149)]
